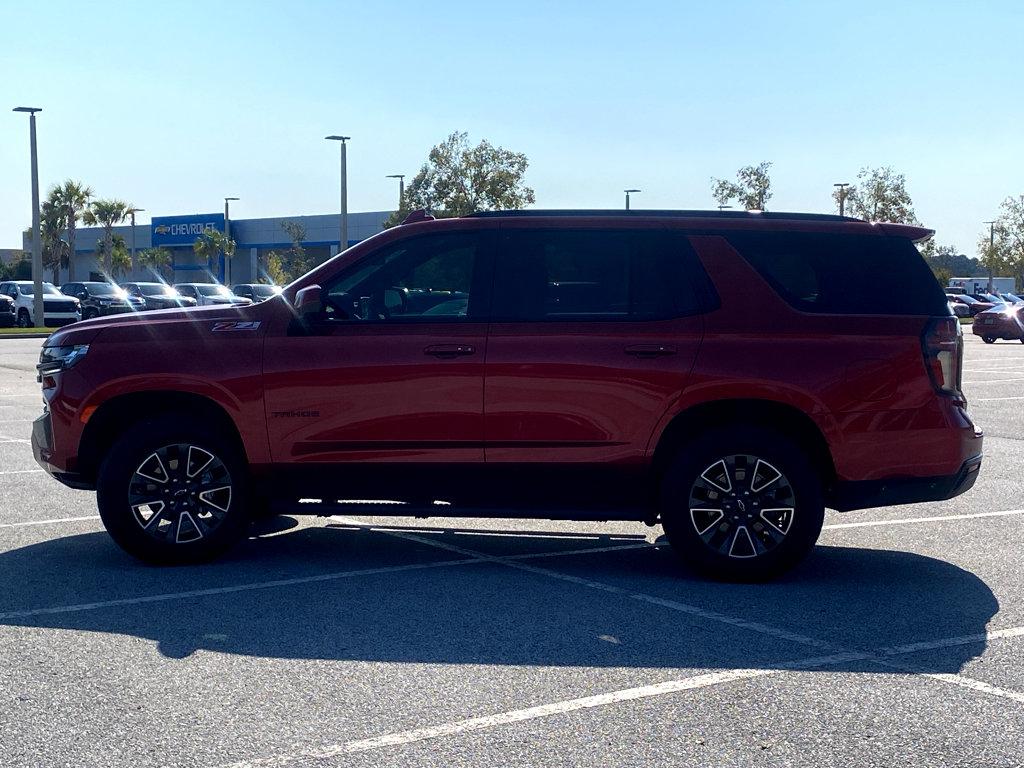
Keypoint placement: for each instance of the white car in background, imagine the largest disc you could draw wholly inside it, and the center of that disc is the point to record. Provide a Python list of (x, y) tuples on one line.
[(58, 309), (207, 294)]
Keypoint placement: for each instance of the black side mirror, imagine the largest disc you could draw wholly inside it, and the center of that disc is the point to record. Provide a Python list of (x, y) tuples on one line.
[(309, 303)]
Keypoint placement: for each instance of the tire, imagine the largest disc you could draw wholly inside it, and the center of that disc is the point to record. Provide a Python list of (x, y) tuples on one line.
[(198, 478), (89, 313), (24, 319), (989, 339), (762, 540)]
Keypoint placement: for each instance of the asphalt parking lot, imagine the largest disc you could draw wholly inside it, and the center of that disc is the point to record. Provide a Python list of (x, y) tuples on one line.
[(362, 641)]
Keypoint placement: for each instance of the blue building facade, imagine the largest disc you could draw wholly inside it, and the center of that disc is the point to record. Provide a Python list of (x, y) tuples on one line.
[(254, 239)]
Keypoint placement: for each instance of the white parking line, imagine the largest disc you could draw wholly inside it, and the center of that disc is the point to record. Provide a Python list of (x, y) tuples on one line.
[(928, 519), (702, 681), (1010, 398), (20, 472), (993, 381), (49, 520)]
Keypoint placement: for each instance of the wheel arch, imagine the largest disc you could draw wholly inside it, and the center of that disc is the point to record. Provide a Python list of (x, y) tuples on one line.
[(117, 414), (787, 419)]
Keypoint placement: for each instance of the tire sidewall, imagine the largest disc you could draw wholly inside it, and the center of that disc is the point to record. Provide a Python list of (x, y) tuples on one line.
[(125, 457), (774, 448)]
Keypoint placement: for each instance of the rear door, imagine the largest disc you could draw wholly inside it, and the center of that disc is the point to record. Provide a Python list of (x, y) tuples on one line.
[(595, 332)]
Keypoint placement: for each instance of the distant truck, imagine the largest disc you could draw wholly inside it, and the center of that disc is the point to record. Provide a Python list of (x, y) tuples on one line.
[(979, 285)]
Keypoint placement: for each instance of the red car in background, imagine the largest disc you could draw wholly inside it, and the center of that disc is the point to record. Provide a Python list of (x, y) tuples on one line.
[(1004, 321), (974, 305)]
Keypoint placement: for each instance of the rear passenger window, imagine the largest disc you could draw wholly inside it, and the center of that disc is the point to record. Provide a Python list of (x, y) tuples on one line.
[(844, 274), (593, 275)]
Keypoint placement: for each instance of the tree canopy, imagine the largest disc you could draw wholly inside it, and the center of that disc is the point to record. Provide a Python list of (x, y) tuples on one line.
[(879, 195), (459, 178), (751, 191)]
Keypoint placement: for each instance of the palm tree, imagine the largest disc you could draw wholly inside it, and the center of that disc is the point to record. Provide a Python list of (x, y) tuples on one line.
[(55, 250), (157, 260), (107, 213), (213, 242), (73, 198)]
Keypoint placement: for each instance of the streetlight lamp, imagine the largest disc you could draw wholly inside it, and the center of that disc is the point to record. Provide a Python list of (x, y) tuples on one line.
[(841, 186), (991, 250), (227, 231), (627, 196), (37, 245), (343, 239), (131, 213), (401, 187)]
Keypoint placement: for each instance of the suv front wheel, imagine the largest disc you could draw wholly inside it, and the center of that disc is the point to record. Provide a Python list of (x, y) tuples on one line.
[(173, 490), (742, 504)]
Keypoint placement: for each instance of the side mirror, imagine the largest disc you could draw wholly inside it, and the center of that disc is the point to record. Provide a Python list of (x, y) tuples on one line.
[(308, 302)]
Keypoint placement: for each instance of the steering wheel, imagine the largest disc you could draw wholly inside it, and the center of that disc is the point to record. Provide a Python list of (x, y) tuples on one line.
[(379, 307)]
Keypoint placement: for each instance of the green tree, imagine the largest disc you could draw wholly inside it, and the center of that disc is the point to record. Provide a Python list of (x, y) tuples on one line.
[(55, 249), (275, 269), (458, 179), (752, 189), (879, 195), (212, 243), (72, 198), (1006, 254), (157, 260), (118, 260), (107, 213), (285, 266)]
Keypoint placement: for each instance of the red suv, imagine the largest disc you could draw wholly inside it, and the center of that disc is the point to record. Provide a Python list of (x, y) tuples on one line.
[(728, 375)]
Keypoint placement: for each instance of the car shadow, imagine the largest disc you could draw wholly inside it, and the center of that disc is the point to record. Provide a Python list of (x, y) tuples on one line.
[(342, 592)]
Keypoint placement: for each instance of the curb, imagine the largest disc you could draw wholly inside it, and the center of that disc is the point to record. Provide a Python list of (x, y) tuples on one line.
[(24, 336)]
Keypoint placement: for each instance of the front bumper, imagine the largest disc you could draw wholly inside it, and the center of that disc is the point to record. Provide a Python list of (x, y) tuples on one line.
[(42, 451), (859, 495)]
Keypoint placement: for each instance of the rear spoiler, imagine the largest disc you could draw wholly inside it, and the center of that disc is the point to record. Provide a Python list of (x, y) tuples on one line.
[(912, 232)]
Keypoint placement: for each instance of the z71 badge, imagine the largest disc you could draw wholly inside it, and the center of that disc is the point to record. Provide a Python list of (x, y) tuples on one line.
[(237, 325)]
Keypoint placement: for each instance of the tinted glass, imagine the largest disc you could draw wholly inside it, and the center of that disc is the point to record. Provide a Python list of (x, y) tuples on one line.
[(593, 275), (102, 289), (212, 289), (429, 277), (27, 290), (841, 273)]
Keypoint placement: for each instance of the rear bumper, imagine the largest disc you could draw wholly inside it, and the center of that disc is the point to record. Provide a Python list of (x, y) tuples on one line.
[(858, 495)]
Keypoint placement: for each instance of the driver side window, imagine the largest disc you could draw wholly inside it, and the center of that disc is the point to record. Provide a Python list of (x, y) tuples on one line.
[(427, 278)]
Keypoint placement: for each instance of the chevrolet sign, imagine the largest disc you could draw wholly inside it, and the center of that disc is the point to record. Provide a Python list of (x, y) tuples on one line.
[(183, 230)]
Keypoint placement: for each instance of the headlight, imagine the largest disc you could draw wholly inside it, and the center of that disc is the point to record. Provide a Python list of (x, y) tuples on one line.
[(105, 302), (54, 359)]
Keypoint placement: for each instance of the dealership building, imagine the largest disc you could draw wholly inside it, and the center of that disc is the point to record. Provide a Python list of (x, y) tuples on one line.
[(254, 239)]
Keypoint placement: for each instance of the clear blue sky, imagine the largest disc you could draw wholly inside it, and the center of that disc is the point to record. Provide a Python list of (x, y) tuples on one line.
[(174, 105)]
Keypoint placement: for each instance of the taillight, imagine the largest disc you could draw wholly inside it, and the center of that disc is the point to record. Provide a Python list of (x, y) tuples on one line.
[(943, 345)]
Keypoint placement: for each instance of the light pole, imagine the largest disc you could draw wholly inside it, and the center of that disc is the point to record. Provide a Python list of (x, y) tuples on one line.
[(841, 186), (343, 239), (991, 251), (723, 207), (401, 187), (131, 213), (37, 246), (627, 196), (227, 229)]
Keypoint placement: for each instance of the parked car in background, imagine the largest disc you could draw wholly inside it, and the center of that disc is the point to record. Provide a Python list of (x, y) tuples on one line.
[(101, 298), (1011, 298), (58, 310), (8, 315), (256, 292), (158, 296), (720, 373), (207, 294), (981, 296), (972, 304), (1004, 321), (959, 309)]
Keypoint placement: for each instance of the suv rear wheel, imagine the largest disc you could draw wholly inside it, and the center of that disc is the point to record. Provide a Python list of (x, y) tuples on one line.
[(24, 320), (172, 490), (742, 504)]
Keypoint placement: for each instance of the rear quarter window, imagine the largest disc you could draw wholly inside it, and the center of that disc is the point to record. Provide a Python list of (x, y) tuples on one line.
[(844, 274)]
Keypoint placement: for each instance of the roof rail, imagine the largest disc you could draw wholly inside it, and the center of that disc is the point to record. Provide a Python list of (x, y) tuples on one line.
[(419, 215), (682, 214)]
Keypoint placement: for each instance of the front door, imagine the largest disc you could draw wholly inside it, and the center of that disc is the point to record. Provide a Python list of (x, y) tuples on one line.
[(394, 371)]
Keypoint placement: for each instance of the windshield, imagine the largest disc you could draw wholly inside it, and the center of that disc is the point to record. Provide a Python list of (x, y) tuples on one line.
[(155, 289), (212, 289), (264, 292), (25, 289), (102, 289)]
